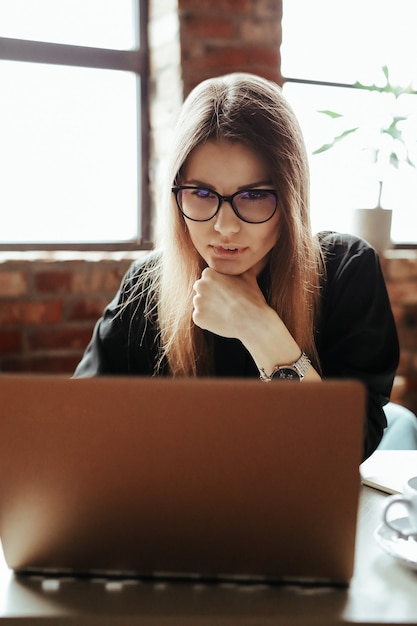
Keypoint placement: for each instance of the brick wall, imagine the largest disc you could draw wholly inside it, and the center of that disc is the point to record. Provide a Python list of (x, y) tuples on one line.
[(400, 270), (48, 309), (220, 36)]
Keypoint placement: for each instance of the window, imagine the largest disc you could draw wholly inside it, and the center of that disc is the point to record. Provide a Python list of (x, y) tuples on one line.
[(327, 47), (73, 128)]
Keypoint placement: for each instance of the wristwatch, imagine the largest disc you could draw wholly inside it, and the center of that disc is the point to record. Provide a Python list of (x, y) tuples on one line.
[(296, 371)]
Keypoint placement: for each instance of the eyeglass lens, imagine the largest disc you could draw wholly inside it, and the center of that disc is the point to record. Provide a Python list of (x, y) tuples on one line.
[(254, 205)]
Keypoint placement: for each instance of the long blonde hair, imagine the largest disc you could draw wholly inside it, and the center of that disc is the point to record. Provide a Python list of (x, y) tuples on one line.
[(248, 109)]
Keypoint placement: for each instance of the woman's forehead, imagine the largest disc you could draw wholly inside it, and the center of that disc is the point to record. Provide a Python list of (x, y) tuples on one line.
[(224, 161)]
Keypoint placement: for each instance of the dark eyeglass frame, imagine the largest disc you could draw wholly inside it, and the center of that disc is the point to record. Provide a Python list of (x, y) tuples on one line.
[(176, 190)]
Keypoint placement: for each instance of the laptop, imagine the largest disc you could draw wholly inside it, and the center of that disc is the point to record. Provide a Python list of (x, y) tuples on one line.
[(214, 479)]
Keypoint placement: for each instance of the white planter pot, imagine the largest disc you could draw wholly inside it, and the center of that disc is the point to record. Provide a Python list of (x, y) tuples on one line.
[(374, 225)]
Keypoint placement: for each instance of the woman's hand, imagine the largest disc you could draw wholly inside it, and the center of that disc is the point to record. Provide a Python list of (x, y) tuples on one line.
[(234, 307), (229, 306)]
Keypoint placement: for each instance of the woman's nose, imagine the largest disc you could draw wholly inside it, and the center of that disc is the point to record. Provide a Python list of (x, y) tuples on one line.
[(226, 220)]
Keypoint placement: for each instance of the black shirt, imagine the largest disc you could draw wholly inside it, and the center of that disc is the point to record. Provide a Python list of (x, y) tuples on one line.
[(355, 336)]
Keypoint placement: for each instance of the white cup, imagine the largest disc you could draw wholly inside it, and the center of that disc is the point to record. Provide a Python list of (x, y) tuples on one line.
[(408, 500)]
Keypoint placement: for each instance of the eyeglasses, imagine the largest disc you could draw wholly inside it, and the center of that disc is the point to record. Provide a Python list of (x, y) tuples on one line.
[(254, 206)]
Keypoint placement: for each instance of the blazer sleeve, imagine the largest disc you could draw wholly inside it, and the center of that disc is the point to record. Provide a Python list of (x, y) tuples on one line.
[(124, 338), (357, 337)]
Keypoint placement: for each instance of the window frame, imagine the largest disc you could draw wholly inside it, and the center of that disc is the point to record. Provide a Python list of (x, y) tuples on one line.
[(136, 61)]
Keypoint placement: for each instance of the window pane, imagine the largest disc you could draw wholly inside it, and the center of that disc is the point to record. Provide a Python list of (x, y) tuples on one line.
[(68, 154), (96, 23), (345, 42), (349, 40), (345, 177)]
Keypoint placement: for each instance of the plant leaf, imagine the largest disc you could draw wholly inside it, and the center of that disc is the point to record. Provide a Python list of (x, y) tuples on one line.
[(410, 90), (332, 114), (327, 146), (393, 130), (393, 159), (373, 87), (396, 90)]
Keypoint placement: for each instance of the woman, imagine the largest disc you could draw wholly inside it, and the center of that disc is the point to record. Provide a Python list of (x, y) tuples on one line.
[(239, 286)]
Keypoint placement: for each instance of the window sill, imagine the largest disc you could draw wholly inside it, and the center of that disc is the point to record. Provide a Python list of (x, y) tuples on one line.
[(53, 256)]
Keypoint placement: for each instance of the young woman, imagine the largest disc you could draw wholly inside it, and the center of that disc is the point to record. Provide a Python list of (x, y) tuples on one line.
[(238, 286)]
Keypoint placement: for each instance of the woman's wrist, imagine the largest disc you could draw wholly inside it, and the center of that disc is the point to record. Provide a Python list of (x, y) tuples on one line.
[(269, 341), (271, 346)]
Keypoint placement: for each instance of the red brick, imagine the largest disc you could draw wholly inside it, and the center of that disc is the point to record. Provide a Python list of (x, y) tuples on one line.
[(411, 383), (88, 309), (53, 282), (407, 337), (398, 312), (405, 363), (260, 32), (220, 6), (42, 365), (402, 267), (13, 283), (10, 341), (209, 27), (403, 292), (409, 317), (235, 58), (269, 9), (54, 365), (12, 364), (101, 278), (31, 312), (58, 338)]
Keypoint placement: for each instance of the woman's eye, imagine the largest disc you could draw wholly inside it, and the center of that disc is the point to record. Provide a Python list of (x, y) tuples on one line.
[(203, 194), (255, 194)]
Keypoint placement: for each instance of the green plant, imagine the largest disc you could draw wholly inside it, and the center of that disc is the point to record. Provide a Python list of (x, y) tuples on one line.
[(393, 152)]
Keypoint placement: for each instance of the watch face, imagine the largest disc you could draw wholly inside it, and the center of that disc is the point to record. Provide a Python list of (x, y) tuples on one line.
[(286, 373)]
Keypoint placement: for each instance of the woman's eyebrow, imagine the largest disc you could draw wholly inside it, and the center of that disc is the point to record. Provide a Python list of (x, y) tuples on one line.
[(259, 183), (198, 183), (253, 185)]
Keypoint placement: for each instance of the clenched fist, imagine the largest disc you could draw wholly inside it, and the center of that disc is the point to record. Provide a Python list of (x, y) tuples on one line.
[(227, 305)]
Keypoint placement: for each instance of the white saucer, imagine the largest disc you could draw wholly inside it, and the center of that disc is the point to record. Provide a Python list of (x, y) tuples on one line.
[(399, 546)]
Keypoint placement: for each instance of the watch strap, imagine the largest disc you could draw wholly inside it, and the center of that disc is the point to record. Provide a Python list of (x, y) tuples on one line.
[(300, 367)]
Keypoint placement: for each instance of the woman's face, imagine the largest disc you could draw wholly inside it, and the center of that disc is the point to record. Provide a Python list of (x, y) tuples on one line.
[(227, 243)]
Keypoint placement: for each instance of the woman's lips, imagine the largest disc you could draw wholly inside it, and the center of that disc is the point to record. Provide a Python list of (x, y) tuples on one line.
[(228, 251)]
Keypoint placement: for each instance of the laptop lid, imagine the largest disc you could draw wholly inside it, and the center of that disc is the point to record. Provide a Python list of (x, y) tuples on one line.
[(154, 476)]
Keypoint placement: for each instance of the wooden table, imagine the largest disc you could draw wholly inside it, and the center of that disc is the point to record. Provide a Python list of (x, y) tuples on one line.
[(382, 591)]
